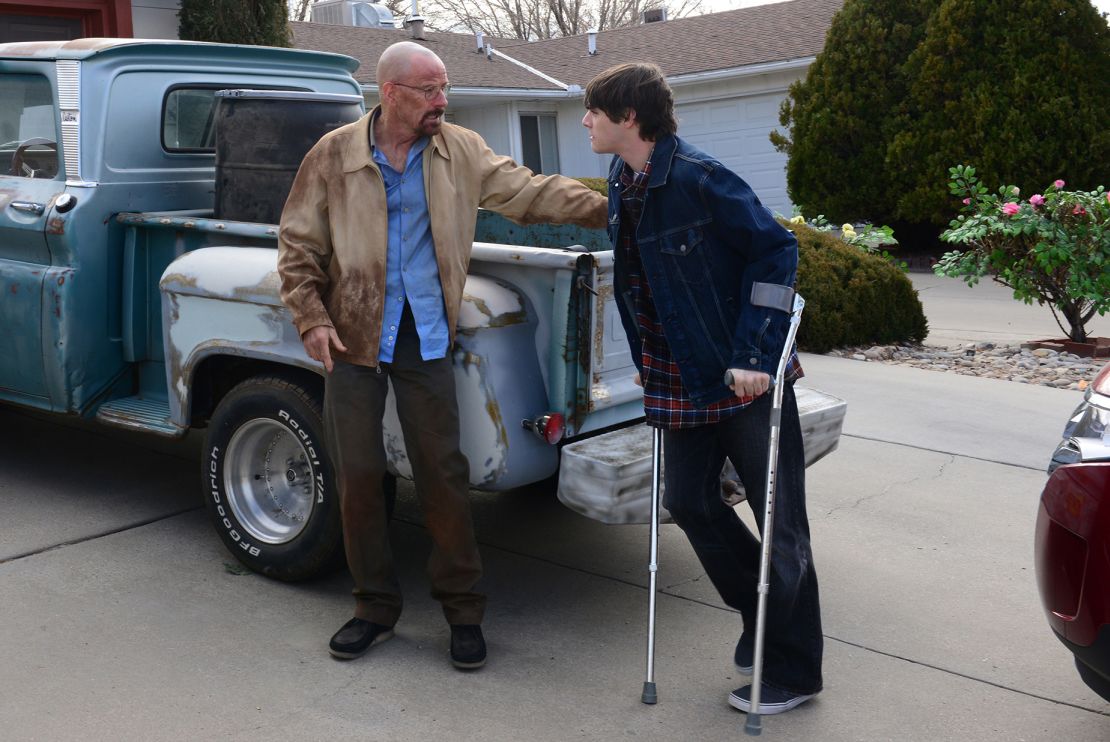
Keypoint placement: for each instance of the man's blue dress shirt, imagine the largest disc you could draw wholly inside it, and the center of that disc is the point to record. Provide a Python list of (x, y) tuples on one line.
[(411, 271)]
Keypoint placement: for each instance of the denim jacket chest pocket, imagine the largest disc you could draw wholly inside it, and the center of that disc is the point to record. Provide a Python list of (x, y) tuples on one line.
[(684, 253)]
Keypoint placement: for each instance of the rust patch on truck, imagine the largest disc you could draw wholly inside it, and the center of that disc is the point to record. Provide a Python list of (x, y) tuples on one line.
[(57, 226)]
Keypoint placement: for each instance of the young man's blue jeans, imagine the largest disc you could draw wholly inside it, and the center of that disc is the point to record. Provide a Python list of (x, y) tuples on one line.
[(730, 554)]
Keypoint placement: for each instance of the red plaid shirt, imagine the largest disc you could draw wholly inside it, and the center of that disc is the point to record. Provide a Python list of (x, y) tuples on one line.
[(666, 403)]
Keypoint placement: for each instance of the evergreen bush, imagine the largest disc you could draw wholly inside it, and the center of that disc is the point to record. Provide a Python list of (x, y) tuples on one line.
[(904, 88), (841, 116), (852, 298), (256, 22), (1019, 87)]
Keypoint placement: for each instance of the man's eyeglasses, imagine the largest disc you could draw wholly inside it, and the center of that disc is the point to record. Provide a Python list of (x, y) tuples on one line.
[(429, 91)]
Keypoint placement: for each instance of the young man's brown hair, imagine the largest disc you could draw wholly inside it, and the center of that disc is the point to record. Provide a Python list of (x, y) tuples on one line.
[(634, 87)]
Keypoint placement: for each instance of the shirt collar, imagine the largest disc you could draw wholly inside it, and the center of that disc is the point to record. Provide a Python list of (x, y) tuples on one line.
[(360, 151)]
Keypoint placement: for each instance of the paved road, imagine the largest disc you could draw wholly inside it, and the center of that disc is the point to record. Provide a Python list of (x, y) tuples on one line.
[(125, 619)]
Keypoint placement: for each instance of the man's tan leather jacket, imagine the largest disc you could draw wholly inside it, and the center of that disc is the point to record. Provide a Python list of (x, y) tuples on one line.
[(332, 241)]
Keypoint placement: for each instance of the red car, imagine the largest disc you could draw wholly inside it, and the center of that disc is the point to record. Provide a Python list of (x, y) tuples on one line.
[(1072, 547)]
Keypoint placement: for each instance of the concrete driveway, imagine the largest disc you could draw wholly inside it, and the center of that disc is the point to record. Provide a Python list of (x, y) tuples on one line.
[(125, 619)]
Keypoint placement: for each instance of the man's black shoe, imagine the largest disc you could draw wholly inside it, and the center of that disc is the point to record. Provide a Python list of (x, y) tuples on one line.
[(357, 636), (468, 646)]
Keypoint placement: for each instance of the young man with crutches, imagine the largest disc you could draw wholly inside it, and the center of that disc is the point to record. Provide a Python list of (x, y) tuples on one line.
[(705, 277)]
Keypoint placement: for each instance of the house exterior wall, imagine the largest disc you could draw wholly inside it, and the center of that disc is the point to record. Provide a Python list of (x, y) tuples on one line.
[(154, 19), (492, 122)]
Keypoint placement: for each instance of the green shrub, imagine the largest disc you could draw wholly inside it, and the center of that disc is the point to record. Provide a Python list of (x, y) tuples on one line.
[(904, 88), (852, 298), (601, 185), (1019, 87), (259, 22), (840, 119)]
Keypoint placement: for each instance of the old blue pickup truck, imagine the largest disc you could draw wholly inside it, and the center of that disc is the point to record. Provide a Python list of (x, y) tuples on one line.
[(129, 298)]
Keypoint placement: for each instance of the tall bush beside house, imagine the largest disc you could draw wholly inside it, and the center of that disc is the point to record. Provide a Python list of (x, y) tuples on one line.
[(840, 116), (257, 22), (1053, 248), (1019, 87)]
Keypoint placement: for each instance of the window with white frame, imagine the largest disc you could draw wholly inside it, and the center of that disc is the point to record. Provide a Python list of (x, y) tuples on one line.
[(539, 144)]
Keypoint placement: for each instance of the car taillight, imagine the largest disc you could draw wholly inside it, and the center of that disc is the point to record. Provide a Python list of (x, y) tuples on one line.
[(549, 427), (1061, 563)]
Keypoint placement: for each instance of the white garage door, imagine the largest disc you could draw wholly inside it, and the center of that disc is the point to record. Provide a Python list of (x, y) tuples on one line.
[(735, 131)]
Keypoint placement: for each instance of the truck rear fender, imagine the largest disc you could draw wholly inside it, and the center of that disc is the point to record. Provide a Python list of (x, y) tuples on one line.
[(223, 301), (499, 382)]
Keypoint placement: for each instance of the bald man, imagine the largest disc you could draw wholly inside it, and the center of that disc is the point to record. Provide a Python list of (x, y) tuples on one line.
[(373, 252)]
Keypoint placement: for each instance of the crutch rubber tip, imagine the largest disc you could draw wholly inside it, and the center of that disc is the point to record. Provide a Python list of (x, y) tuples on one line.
[(754, 725), (648, 696)]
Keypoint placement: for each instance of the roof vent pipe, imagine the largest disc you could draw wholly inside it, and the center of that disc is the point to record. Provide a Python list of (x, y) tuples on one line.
[(591, 36), (489, 51), (478, 37), (416, 27)]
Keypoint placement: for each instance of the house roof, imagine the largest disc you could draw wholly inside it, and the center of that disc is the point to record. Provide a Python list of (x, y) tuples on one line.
[(716, 41), (465, 66), (744, 37)]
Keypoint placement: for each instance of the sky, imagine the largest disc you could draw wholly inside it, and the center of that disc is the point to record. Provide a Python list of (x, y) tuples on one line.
[(718, 5)]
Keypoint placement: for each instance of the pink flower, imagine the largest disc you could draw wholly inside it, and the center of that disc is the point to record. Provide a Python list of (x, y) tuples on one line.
[(1108, 198), (1059, 184), (967, 201), (1036, 199), (1078, 210), (1010, 208)]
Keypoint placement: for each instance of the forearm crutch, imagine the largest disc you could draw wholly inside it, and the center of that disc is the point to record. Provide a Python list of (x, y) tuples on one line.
[(649, 695), (754, 724)]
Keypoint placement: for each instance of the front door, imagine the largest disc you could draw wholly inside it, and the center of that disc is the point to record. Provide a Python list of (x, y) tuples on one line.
[(31, 176)]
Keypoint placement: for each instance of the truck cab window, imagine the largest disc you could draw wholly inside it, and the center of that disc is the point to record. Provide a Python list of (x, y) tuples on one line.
[(187, 118), (28, 128)]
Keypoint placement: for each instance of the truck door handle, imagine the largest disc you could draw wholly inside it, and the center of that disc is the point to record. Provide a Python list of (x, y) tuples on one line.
[(29, 207)]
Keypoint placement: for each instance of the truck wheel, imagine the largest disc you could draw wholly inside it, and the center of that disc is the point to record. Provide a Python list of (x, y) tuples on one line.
[(268, 482)]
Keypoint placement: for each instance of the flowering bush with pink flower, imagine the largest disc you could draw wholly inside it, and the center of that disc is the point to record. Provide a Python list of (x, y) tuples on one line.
[(1053, 249)]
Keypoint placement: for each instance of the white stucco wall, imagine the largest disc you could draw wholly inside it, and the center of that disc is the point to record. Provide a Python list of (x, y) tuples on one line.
[(154, 19), (492, 122)]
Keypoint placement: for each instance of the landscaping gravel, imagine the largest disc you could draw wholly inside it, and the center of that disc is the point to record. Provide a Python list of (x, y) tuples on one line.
[(1010, 362)]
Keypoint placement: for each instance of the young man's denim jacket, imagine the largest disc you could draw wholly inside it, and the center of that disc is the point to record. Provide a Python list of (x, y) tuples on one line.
[(704, 239)]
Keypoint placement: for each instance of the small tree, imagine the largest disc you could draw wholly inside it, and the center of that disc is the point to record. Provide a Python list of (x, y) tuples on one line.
[(841, 116), (1019, 87), (259, 22), (1053, 249)]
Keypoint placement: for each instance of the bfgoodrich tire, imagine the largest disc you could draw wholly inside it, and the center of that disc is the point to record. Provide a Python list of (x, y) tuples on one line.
[(268, 482)]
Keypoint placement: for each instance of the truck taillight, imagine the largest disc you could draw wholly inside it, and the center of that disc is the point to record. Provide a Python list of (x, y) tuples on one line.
[(549, 427)]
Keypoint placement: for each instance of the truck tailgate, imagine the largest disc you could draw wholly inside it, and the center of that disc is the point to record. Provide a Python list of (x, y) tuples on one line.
[(608, 477)]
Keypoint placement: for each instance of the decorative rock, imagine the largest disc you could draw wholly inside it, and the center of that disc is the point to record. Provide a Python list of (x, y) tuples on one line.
[(1042, 366)]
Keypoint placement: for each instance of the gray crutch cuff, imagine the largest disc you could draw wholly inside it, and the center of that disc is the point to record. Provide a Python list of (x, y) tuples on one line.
[(773, 296)]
